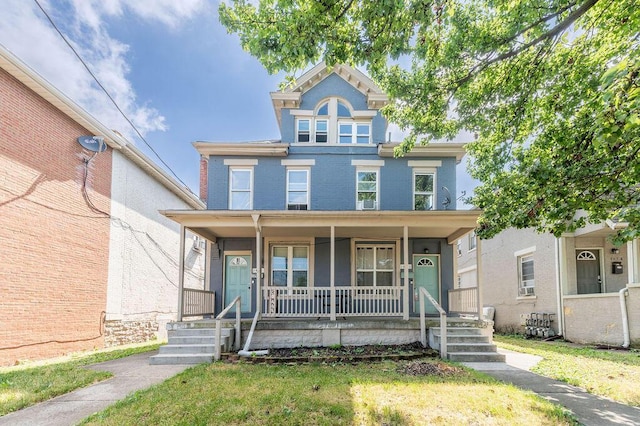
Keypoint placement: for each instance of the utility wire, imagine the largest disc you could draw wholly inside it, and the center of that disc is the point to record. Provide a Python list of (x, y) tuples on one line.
[(109, 96)]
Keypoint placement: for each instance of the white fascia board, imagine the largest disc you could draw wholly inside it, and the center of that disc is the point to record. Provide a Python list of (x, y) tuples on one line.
[(269, 149)]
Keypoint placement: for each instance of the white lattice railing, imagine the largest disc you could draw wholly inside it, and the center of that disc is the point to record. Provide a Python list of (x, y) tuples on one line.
[(345, 301), (463, 300)]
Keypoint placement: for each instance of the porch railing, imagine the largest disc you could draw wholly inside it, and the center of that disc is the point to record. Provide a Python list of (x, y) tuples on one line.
[(197, 302), (318, 302), (424, 295), (464, 301), (218, 333)]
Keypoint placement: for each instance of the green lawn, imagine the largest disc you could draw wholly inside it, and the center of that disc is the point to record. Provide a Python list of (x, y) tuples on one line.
[(610, 373), (26, 385), (324, 394)]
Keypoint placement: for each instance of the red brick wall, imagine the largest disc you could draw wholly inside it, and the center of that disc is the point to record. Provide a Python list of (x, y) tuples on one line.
[(53, 247)]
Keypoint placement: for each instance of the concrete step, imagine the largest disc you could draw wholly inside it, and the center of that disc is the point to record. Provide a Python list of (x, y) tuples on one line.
[(193, 340), (187, 349), (195, 332), (476, 357), (471, 347), (474, 331), (468, 338), (176, 359)]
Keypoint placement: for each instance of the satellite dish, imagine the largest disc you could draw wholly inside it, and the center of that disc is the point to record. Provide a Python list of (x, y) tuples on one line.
[(93, 143)]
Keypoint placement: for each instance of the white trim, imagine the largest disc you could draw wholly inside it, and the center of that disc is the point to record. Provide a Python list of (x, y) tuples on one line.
[(307, 187), (240, 161), (231, 191), (434, 192), (304, 241), (367, 163), (523, 252), (363, 114), (375, 170), (293, 163), (424, 163), (375, 242), (301, 112), (467, 269)]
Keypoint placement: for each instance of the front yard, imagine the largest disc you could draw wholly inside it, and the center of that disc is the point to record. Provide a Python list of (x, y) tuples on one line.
[(610, 373), (391, 393)]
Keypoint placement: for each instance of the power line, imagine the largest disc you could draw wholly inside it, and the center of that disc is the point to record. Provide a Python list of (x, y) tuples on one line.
[(108, 95)]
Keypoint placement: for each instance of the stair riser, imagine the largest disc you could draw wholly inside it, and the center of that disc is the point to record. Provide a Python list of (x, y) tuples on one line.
[(194, 332), (464, 339), (454, 331), (177, 359), (469, 357), (472, 348), (186, 350), (193, 340)]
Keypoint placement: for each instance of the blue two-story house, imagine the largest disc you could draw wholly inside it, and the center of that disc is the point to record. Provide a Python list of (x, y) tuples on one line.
[(325, 227)]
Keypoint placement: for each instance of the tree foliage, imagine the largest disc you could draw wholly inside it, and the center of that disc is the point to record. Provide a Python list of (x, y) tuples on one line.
[(550, 88)]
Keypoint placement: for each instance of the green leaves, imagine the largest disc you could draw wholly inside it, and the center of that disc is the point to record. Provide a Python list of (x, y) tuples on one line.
[(551, 89)]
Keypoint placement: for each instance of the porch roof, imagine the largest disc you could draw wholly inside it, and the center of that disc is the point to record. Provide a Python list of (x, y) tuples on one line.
[(214, 224)]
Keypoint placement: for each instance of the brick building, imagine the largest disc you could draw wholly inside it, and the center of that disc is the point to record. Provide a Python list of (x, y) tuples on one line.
[(85, 257)]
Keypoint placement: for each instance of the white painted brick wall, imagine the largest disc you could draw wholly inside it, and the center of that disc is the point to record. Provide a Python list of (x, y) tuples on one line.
[(143, 250)]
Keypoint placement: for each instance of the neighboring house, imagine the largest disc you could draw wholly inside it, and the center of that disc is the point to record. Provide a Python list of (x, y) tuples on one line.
[(588, 285), (86, 260), (322, 224)]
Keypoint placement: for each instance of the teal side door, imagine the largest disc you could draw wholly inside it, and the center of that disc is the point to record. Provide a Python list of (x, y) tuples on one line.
[(237, 281), (426, 274)]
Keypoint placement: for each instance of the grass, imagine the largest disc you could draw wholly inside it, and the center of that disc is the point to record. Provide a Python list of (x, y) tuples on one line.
[(28, 384), (329, 394), (609, 373)]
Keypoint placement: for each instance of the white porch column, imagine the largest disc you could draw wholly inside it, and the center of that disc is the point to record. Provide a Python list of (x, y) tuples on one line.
[(181, 272), (632, 262), (561, 266), (479, 281), (259, 298), (405, 267), (332, 273)]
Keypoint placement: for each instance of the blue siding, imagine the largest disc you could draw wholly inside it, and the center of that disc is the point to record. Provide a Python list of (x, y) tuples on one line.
[(333, 85)]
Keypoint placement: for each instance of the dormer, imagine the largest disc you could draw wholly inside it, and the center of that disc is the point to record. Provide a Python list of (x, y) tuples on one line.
[(331, 106)]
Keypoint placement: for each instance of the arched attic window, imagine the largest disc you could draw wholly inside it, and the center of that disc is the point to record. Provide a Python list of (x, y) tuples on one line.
[(333, 122)]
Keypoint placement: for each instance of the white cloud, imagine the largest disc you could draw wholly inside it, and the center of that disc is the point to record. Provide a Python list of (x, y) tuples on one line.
[(26, 32)]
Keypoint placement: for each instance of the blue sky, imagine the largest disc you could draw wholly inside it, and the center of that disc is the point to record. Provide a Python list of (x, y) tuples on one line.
[(169, 64)]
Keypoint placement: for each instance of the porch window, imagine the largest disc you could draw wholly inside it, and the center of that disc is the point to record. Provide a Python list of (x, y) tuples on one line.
[(472, 241), (526, 276), (290, 266), (423, 194), (367, 188), (374, 265), (240, 188), (297, 189)]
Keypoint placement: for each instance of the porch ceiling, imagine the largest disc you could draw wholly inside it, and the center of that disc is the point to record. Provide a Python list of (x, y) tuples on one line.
[(213, 224)]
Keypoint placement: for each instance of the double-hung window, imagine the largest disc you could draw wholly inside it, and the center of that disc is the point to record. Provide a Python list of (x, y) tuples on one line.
[(367, 189), (526, 277), (303, 130), (423, 190), (297, 189), (354, 133), (472, 240), (290, 266), (374, 265), (240, 188)]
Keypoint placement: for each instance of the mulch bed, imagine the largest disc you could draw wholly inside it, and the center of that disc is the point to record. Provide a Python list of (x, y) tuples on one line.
[(351, 354)]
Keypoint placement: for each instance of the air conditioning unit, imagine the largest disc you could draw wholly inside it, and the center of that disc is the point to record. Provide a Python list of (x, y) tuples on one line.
[(527, 291), (367, 205), (296, 207)]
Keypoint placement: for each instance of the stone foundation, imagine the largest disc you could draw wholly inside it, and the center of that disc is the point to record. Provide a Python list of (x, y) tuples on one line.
[(118, 332)]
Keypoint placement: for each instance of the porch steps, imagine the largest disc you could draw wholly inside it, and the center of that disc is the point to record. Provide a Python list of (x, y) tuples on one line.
[(467, 344), (191, 345)]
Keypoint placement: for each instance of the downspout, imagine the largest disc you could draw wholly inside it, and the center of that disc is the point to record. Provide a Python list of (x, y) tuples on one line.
[(625, 317)]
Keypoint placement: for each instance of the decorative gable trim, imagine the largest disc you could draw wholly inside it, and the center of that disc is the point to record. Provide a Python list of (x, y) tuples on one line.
[(290, 97)]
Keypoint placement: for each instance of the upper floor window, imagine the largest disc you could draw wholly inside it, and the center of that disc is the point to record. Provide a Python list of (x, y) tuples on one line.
[(367, 189), (472, 240), (240, 188), (423, 190), (297, 189), (334, 122)]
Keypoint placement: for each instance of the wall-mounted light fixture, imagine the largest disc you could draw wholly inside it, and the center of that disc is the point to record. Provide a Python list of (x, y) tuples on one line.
[(615, 250)]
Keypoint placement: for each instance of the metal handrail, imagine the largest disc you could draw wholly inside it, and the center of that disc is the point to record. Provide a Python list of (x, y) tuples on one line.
[(443, 322), (219, 318)]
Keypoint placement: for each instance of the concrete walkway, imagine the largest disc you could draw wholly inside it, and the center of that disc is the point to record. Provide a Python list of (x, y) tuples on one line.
[(588, 409), (130, 374)]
